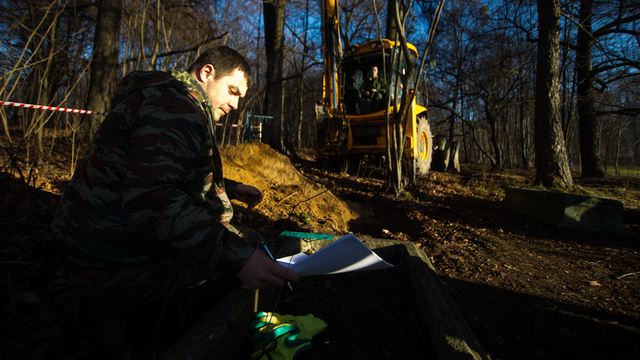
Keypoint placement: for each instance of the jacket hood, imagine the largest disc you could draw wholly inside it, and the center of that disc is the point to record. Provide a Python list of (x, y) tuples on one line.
[(138, 80)]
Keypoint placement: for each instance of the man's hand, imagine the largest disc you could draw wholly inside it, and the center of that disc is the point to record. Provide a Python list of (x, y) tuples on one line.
[(261, 272), (248, 194)]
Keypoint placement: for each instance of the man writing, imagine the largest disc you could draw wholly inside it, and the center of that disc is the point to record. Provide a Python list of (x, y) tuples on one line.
[(148, 209)]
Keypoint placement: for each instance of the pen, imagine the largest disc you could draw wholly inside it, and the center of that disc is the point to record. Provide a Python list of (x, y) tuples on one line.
[(264, 246)]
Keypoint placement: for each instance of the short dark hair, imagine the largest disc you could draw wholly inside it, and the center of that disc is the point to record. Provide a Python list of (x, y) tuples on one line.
[(224, 60)]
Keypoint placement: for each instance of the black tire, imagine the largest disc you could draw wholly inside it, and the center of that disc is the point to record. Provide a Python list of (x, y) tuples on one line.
[(441, 153), (425, 146)]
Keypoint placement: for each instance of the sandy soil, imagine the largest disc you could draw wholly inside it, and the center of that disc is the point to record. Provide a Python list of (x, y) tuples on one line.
[(288, 194)]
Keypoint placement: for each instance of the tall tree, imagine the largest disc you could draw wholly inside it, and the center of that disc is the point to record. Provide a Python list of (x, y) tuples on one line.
[(104, 63), (552, 167), (395, 11), (274, 19), (590, 142), (603, 60)]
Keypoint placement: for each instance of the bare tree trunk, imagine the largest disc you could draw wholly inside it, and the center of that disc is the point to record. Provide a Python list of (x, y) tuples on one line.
[(452, 117), (489, 109), (607, 149), (45, 96), (392, 25), (618, 140), (524, 134), (156, 36), (569, 121), (298, 131), (481, 147), (505, 145), (274, 18), (551, 159), (103, 64), (590, 142), (465, 139), (301, 97)]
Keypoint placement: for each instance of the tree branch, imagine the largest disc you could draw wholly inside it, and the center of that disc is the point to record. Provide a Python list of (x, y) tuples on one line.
[(181, 51)]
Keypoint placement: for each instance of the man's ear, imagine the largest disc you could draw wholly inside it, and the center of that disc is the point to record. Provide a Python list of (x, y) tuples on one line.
[(207, 72)]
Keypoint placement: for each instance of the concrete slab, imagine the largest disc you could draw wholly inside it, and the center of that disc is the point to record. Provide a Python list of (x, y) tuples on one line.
[(219, 334), (567, 211)]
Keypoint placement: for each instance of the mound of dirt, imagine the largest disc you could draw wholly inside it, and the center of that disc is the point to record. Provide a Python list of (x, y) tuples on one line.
[(287, 193)]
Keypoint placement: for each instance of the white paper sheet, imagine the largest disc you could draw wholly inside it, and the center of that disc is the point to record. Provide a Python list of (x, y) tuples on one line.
[(343, 255)]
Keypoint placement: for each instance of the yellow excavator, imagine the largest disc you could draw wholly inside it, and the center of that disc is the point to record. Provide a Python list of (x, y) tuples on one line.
[(349, 122)]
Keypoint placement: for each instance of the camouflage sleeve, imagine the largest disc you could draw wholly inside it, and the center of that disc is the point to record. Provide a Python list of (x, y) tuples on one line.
[(230, 187), (165, 145)]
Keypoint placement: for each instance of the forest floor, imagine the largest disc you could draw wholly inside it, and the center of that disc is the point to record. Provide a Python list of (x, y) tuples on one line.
[(526, 289)]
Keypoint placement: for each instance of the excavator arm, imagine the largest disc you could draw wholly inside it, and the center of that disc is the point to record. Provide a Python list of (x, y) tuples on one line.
[(332, 128), (332, 54)]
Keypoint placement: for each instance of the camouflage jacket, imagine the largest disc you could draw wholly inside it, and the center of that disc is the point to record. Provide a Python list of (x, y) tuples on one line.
[(151, 181)]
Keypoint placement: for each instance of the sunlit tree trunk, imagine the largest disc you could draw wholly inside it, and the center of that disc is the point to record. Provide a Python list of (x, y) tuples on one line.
[(552, 167)]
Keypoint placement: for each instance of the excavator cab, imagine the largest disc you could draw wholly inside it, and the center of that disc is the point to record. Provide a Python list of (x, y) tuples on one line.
[(357, 68), (358, 125), (350, 125)]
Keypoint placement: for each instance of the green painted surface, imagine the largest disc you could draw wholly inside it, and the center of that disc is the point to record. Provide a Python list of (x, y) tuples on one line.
[(311, 236)]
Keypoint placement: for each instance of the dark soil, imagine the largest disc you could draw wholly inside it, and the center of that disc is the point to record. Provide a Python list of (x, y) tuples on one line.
[(527, 290)]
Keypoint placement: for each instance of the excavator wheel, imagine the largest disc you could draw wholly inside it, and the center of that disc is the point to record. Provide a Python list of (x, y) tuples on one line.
[(423, 162)]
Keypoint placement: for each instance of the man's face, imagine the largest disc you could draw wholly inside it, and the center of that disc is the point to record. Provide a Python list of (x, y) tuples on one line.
[(374, 72), (224, 92)]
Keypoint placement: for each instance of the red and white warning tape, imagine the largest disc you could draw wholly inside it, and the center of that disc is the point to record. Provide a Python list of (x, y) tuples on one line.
[(77, 111), (40, 107)]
